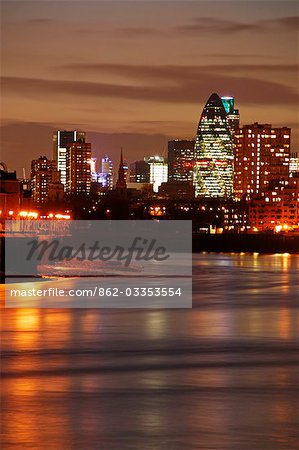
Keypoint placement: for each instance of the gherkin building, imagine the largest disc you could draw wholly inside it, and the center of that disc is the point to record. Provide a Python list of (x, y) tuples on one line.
[(213, 152)]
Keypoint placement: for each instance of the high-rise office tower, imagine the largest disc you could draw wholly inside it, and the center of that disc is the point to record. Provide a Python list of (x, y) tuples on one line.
[(213, 152), (158, 171), (78, 175), (180, 160), (233, 116), (139, 172), (44, 173), (61, 139), (262, 154)]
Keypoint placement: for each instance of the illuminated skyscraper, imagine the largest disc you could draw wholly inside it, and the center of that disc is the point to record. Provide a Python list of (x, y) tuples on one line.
[(180, 160), (78, 176), (213, 152), (61, 139)]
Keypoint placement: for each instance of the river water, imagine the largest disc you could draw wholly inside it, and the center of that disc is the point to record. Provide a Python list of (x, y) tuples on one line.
[(222, 375)]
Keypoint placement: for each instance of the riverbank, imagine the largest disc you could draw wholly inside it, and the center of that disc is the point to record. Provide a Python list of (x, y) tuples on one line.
[(250, 243)]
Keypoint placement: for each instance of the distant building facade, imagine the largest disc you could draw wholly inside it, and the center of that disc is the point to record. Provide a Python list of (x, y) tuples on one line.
[(107, 171), (10, 193), (78, 173), (177, 189), (180, 160), (158, 171), (61, 140), (26, 194), (139, 172), (93, 169), (105, 176), (44, 178), (294, 162), (262, 154)]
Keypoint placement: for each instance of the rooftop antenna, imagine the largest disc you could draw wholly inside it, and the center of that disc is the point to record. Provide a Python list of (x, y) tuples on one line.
[(24, 173)]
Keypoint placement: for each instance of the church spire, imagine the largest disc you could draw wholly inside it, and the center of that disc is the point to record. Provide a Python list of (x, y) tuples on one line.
[(121, 184)]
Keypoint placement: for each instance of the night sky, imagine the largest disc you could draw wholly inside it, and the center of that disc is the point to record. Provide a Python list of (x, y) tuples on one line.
[(135, 74)]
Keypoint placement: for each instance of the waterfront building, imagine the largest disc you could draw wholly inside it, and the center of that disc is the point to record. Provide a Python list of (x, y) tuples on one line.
[(61, 140), (277, 208), (262, 154), (44, 178), (213, 152), (78, 175), (180, 160)]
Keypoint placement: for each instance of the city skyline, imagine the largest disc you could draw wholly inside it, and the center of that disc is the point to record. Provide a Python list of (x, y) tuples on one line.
[(149, 224), (123, 94)]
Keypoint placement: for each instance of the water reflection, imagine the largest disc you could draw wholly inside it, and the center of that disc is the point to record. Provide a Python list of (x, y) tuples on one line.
[(223, 375)]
